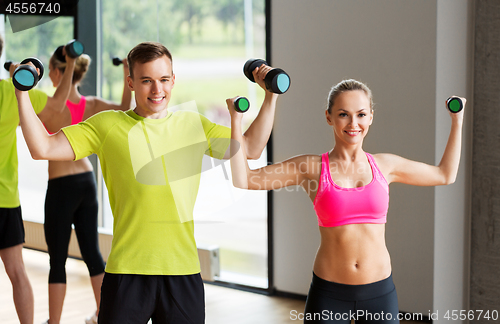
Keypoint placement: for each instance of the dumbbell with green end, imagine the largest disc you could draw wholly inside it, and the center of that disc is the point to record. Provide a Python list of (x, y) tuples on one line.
[(26, 77), (276, 80), (74, 49), (241, 104), (454, 104)]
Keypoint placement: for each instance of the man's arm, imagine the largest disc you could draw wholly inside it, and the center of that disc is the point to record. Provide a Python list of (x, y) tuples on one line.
[(257, 135), (42, 146)]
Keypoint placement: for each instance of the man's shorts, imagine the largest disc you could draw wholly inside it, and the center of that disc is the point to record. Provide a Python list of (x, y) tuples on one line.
[(11, 227), (131, 298)]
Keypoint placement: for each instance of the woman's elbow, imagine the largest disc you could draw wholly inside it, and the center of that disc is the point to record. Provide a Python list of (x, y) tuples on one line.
[(450, 180), (240, 185), (253, 154), (37, 155)]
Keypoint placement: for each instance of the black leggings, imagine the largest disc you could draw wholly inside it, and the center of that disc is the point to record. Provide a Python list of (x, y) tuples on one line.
[(331, 302), (72, 200)]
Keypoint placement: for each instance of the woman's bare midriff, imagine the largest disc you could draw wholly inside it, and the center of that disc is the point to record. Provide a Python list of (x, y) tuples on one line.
[(59, 169), (353, 254)]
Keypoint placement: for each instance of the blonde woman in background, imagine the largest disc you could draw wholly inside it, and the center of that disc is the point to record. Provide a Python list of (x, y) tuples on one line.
[(71, 191)]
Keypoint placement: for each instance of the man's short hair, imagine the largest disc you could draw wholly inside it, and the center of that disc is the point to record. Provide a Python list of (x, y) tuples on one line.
[(146, 52)]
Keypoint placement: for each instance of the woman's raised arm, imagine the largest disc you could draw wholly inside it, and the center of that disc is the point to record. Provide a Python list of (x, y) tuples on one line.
[(422, 174)]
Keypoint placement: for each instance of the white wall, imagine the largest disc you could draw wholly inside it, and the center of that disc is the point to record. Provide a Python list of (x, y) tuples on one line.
[(392, 46), (452, 208)]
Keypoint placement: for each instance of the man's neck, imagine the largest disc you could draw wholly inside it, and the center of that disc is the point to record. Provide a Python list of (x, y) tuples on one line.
[(151, 115)]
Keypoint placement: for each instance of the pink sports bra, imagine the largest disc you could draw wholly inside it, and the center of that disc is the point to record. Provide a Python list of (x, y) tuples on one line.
[(77, 110), (337, 206)]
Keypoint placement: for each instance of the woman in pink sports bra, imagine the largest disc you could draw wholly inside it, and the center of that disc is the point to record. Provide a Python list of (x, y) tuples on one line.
[(71, 192), (349, 189)]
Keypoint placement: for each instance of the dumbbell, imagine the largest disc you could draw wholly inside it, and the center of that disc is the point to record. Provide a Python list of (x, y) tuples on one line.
[(74, 49), (26, 77), (276, 80), (241, 104), (7, 65), (117, 61), (454, 104)]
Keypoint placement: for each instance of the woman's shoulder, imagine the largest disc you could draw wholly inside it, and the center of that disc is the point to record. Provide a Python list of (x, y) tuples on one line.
[(387, 162), (90, 104), (386, 158), (95, 104)]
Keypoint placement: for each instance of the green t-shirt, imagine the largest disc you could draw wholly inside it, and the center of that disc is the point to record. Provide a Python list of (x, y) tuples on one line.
[(152, 170), (9, 120)]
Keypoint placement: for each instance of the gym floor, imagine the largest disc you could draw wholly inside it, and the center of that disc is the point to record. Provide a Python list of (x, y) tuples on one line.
[(223, 305)]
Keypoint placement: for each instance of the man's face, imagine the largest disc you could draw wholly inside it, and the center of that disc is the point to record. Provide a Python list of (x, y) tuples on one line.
[(153, 82)]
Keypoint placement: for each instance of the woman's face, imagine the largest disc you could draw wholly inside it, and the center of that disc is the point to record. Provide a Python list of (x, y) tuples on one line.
[(350, 117)]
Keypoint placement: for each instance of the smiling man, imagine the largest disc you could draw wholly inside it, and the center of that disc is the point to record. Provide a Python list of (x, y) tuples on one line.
[(151, 162)]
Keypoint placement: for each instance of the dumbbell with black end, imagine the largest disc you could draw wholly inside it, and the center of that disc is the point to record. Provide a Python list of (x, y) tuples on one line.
[(454, 104), (276, 80), (241, 104), (74, 49), (26, 77), (117, 61), (7, 65)]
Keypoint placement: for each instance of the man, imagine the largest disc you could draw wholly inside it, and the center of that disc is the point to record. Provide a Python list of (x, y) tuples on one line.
[(151, 162), (11, 222)]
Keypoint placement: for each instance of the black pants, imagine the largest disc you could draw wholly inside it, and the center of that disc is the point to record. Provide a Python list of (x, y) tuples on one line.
[(72, 200), (330, 302), (134, 299)]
